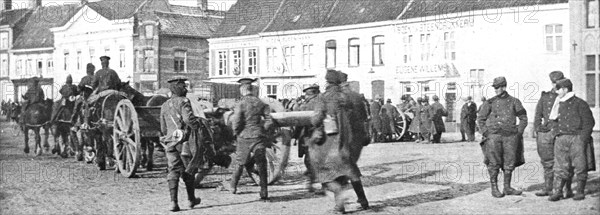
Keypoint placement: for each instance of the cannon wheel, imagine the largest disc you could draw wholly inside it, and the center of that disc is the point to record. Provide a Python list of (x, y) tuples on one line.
[(277, 158), (400, 126), (126, 138)]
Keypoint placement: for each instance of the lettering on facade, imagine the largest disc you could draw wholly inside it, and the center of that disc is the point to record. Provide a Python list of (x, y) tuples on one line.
[(148, 78), (445, 25), (429, 70), (286, 39)]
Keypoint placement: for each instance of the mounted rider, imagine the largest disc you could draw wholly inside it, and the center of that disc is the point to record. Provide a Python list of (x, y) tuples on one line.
[(105, 82), (34, 94), (89, 78), (68, 93)]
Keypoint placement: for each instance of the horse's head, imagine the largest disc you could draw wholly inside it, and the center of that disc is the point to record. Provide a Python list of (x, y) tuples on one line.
[(136, 97)]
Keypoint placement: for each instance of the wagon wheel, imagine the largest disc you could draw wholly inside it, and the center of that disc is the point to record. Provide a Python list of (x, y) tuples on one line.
[(277, 158), (126, 138), (400, 126)]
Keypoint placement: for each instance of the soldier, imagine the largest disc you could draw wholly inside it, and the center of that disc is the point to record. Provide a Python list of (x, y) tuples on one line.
[(34, 93), (310, 95), (392, 114), (251, 121), (89, 78), (502, 142), (333, 144), (405, 105), (425, 119), (67, 92), (438, 122), (176, 119), (545, 138), (375, 119), (105, 78), (573, 147), (468, 117)]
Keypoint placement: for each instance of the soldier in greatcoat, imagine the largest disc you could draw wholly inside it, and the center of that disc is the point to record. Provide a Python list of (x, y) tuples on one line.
[(34, 94), (105, 78), (88, 79), (502, 143), (333, 144), (251, 122), (438, 122), (177, 120), (415, 124), (390, 116), (67, 92), (310, 95), (375, 118), (426, 120), (468, 117), (545, 138), (573, 146)]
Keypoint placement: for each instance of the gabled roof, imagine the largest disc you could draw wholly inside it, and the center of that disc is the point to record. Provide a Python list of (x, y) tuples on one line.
[(36, 31), (10, 17), (116, 9), (180, 9), (247, 17), (187, 25)]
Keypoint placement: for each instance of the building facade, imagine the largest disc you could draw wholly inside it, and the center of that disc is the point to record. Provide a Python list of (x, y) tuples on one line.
[(585, 53), (11, 22), (450, 49)]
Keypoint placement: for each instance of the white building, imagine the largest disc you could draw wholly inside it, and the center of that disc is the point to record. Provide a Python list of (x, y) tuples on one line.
[(389, 48), (11, 22)]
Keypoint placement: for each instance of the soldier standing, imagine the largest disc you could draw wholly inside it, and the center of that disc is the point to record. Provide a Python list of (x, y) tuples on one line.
[(468, 116), (332, 145), (105, 78), (545, 138), (573, 148), (503, 137), (375, 119), (425, 118), (251, 121), (392, 114), (176, 117), (310, 94), (438, 122), (415, 124)]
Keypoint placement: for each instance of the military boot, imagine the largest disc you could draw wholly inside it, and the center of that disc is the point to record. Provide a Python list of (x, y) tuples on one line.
[(494, 182), (580, 190), (188, 179), (360, 193), (264, 181), (508, 190), (568, 189), (557, 192), (235, 178), (173, 186), (548, 183)]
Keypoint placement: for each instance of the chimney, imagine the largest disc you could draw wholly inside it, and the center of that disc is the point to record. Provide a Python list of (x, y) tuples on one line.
[(84, 2), (203, 4), (7, 4)]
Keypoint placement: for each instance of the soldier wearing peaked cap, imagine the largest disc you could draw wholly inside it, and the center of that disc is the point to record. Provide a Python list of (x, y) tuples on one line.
[(545, 138), (438, 111), (503, 137), (425, 119), (177, 122), (573, 146), (468, 116), (106, 78), (251, 122), (303, 133)]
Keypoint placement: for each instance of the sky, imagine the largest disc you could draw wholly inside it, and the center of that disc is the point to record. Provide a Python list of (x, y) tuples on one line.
[(212, 4)]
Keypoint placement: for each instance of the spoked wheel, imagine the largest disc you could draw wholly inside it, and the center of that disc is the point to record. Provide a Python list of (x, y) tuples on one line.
[(400, 126), (277, 159), (126, 138)]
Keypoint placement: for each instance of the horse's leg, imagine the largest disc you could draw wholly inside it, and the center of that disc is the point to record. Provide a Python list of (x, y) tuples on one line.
[(72, 141), (56, 135), (26, 136), (65, 142), (38, 141), (100, 152)]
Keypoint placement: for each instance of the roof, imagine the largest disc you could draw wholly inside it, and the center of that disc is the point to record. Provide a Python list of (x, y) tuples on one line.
[(180, 9), (116, 9), (187, 25), (10, 17), (36, 31), (248, 17)]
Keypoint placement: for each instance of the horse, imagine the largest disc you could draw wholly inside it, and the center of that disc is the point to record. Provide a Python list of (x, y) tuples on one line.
[(61, 128), (36, 116)]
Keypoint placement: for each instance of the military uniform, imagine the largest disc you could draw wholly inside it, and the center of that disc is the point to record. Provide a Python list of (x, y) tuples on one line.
[(503, 138), (391, 114), (573, 147), (34, 94), (250, 123), (415, 124), (438, 122), (468, 116), (425, 120), (305, 132), (175, 117), (66, 91), (375, 118), (106, 78)]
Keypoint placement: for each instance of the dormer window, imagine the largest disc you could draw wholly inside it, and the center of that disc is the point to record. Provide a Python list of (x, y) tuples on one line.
[(296, 18), (242, 28), (149, 31), (362, 10)]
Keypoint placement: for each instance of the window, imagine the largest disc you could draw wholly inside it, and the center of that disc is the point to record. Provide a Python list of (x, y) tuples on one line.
[(66, 61), (39, 66), (149, 31), (236, 62), (590, 62), (306, 56), (107, 51), (139, 63), (122, 58), (330, 53), (19, 67), (79, 60), (406, 40), (4, 40), (288, 53), (449, 48), (251, 63), (271, 59), (92, 55), (593, 17), (378, 50), (148, 60), (179, 61), (353, 52), (50, 65), (592, 79), (272, 90), (553, 37), (425, 47), (4, 67), (222, 66), (29, 67)]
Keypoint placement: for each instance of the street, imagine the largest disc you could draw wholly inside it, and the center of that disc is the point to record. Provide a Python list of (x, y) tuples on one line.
[(399, 178)]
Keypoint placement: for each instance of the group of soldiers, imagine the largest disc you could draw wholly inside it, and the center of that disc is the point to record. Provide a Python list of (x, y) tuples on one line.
[(332, 143), (563, 123)]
